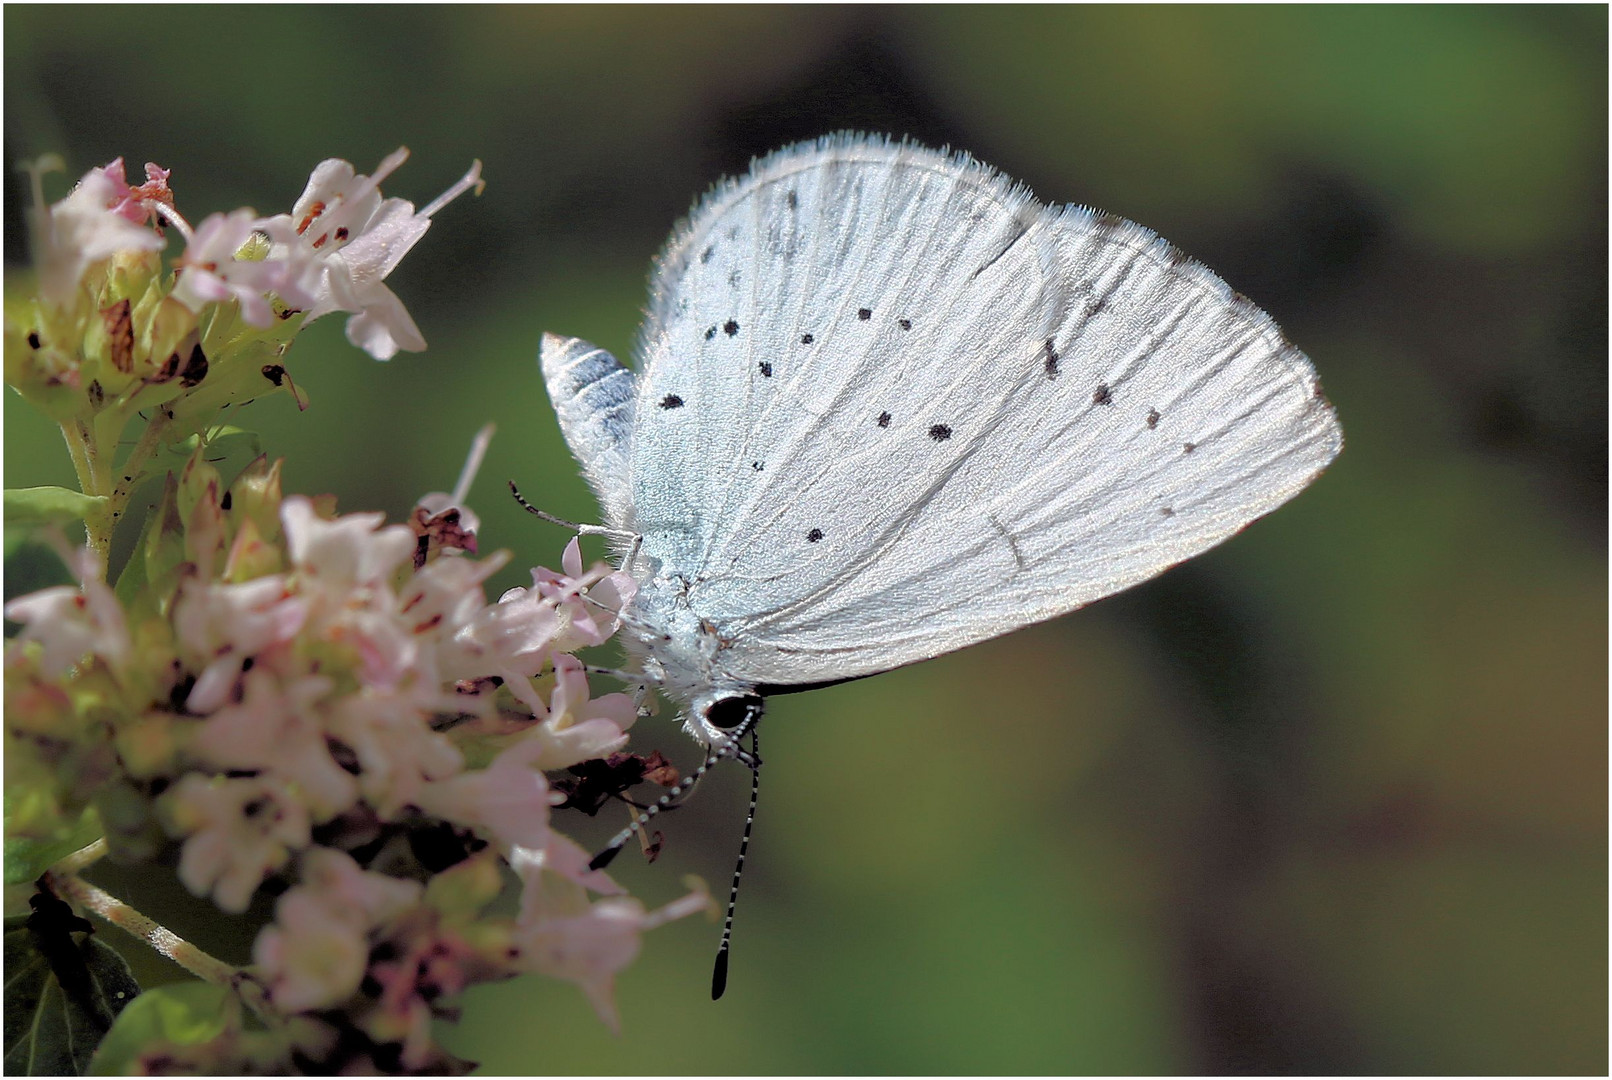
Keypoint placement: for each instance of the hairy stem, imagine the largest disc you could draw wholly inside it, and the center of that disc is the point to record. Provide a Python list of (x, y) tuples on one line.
[(201, 964)]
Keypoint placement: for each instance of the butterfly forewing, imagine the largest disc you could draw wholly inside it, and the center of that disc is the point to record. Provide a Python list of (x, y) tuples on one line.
[(890, 406), (840, 291), (1166, 414)]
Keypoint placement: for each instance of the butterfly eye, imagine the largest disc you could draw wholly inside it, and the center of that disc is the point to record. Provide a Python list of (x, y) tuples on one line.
[(727, 713)]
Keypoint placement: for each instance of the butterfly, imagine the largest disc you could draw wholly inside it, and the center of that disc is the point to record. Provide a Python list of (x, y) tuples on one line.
[(886, 405)]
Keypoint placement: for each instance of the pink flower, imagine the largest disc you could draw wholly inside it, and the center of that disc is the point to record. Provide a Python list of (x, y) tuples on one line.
[(527, 629), (350, 551), (238, 832), (397, 751), (586, 622), (85, 228), (445, 596), (590, 947), (511, 639), (70, 623), (577, 728), (343, 569), (315, 953), (210, 272), (509, 800), (277, 727), (353, 239), (134, 202), (310, 957), (221, 625), (562, 856)]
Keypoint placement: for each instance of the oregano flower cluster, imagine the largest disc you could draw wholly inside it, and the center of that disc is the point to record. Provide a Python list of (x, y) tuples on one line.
[(271, 697)]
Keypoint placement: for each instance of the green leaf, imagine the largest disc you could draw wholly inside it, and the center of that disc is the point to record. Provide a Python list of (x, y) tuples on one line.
[(179, 1014), (49, 505), (64, 989), (29, 856)]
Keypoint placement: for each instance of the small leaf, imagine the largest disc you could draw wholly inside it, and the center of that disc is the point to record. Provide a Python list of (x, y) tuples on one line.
[(48, 505), (27, 856), (178, 1014), (64, 989)]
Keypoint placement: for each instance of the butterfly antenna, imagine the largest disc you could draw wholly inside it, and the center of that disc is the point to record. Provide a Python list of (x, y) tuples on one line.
[(719, 974)]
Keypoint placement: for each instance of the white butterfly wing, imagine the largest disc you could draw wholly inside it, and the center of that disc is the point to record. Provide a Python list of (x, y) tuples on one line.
[(891, 406), (779, 305), (1172, 413)]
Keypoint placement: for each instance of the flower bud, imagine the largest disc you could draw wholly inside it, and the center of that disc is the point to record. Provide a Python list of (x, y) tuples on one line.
[(462, 890), (250, 556), (255, 497)]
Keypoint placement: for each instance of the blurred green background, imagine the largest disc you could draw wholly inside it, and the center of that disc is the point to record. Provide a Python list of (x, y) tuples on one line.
[(1329, 798)]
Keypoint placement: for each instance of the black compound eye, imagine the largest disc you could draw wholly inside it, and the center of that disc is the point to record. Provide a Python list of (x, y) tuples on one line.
[(727, 713)]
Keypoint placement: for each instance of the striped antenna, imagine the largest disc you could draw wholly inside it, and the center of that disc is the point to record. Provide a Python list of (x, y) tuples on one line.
[(719, 974), (730, 749)]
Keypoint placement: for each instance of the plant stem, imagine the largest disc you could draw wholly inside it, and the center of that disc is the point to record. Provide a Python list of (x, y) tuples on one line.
[(99, 526), (83, 858), (199, 963), (73, 433)]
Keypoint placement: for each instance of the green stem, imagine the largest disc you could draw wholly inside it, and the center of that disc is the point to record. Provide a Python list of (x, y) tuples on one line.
[(100, 525), (78, 451)]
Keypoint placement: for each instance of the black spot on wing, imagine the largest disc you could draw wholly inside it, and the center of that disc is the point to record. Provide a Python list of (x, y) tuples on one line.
[(766, 370), (884, 419), (671, 401), (705, 256), (710, 333), (864, 314), (1049, 359), (792, 199), (806, 339), (1187, 448), (731, 327), (1101, 396), (1152, 418), (814, 536), (905, 324), (940, 432)]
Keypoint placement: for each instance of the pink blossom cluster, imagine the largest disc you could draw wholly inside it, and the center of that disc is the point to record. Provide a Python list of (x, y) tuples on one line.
[(331, 253), (304, 695), (277, 698)]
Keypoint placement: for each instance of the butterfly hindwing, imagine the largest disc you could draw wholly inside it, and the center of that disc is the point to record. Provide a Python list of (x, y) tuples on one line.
[(593, 397)]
